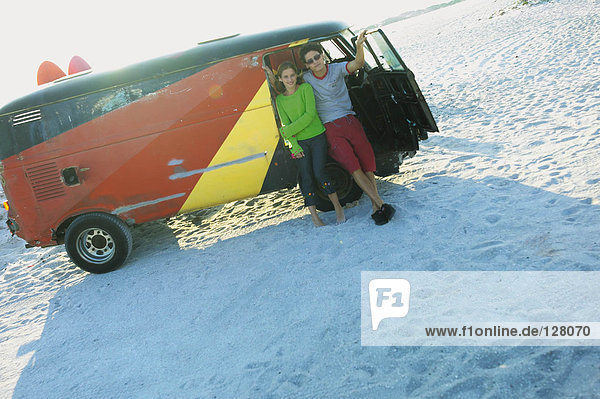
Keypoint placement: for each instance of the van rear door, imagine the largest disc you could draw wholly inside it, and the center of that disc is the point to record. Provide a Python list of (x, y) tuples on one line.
[(392, 80)]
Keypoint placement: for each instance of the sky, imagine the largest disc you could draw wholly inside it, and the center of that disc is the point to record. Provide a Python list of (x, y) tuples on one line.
[(116, 33)]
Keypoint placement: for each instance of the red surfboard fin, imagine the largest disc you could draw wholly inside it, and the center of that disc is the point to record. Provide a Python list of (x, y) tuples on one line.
[(77, 65), (48, 72)]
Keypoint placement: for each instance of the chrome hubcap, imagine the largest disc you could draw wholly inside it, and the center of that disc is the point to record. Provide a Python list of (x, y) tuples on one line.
[(95, 245)]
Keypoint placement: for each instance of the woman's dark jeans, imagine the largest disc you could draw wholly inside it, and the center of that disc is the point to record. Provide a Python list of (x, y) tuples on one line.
[(312, 168)]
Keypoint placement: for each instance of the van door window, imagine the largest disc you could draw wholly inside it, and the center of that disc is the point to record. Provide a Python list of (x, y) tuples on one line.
[(381, 53), (370, 59)]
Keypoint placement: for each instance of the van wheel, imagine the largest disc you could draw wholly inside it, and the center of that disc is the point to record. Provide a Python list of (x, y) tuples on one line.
[(345, 186), (98, 242)]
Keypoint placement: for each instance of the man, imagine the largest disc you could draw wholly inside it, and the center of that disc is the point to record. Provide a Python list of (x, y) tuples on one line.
[(348, 142)]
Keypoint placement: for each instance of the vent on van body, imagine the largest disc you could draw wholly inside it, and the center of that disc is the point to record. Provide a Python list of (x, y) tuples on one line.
[(45, 181), (27, 117)]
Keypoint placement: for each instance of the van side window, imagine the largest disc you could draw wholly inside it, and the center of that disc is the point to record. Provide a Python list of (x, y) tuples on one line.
[(335, 52)]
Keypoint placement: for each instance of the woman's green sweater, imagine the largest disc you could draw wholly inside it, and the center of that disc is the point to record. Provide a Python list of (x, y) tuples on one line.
[(299, 118)]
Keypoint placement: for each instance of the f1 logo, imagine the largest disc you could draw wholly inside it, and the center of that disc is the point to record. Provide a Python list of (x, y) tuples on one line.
[(388, 298)]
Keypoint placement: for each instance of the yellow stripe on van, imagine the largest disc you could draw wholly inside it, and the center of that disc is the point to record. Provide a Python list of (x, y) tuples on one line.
[(241, 164), (298, 43)]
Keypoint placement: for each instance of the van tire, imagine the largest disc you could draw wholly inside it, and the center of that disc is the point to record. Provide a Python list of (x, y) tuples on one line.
[(98, 242), (345, 187)]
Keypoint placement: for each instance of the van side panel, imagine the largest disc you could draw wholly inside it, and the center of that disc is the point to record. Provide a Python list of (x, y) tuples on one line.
[(135, 161), (54, 117), (239, 167)]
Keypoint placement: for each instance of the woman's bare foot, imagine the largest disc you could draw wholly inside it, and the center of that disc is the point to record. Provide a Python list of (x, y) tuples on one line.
[(339, 211), (318, 222), (339, 216), (315, 217)]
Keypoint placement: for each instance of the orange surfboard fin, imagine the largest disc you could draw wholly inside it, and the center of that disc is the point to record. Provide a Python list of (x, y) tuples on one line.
[(48, 72), (77, 65)]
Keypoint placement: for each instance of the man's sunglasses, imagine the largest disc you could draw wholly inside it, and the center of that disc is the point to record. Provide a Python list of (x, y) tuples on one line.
[(314, 59)]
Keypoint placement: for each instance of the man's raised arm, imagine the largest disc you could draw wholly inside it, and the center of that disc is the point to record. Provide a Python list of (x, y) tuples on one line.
[(359, 61)]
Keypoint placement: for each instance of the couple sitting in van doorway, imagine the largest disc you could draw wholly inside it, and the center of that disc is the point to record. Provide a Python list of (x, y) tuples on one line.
[(348, 143), (303, 132)]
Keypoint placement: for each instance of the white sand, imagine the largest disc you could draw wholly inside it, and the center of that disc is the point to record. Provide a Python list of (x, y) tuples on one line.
[(250, 301)]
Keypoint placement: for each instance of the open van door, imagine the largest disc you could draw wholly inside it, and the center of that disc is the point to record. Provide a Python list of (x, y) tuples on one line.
[(394, 84)]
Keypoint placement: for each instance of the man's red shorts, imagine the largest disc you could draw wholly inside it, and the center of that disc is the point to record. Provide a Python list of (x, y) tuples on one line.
[(348, 144)]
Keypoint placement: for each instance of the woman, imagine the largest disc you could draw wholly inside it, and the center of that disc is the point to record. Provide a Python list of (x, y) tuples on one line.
[(303, 132)]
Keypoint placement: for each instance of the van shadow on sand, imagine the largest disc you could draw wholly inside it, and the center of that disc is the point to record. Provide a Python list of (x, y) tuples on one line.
[(275, 312)]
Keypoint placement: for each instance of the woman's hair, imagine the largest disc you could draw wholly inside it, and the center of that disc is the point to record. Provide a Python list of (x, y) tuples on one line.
[(286, 65)]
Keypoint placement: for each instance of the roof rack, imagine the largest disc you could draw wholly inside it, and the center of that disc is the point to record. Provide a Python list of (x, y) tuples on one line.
[(218, 39)]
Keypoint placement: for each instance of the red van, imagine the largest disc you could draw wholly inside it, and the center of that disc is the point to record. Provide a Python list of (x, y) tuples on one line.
[(86, 157)]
